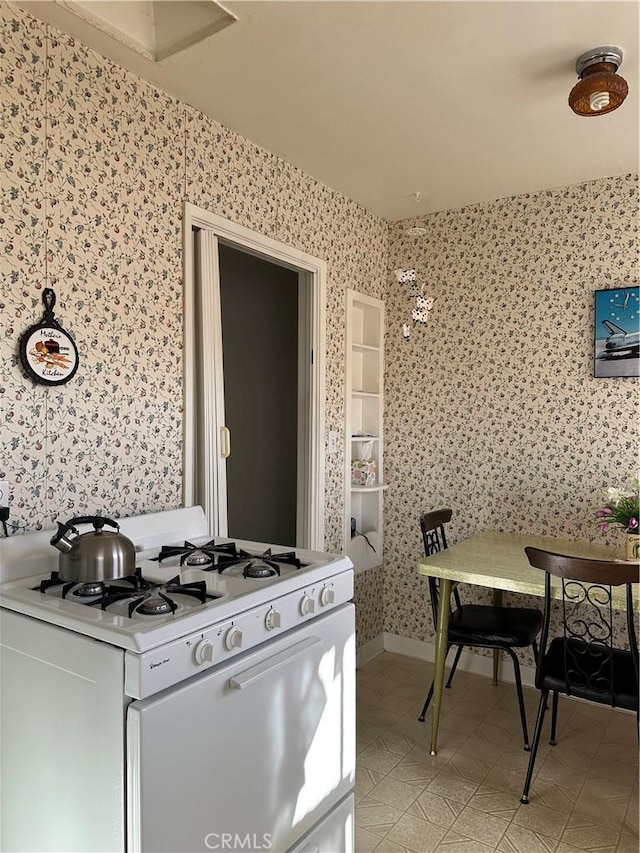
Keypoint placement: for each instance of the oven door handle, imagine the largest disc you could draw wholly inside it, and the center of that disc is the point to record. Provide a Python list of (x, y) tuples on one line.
[(260, 670)]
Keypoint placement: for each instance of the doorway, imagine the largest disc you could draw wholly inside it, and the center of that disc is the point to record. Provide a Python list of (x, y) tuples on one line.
[(254, 383), (259, 318)]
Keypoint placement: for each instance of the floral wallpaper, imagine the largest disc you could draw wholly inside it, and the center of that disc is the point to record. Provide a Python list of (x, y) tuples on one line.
[(491, 406), (97, 164)]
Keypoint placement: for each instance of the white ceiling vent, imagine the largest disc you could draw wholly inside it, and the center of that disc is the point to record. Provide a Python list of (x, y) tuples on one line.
[(155, 29)]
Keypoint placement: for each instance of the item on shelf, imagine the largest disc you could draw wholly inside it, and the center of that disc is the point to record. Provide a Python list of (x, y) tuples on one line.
[(363, 472), (363, 469)]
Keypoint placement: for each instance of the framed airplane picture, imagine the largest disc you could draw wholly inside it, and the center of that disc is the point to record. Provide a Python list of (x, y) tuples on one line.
[(617, 332)]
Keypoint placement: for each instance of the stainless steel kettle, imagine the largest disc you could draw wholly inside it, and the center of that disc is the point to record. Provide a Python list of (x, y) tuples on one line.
[(99, 555)]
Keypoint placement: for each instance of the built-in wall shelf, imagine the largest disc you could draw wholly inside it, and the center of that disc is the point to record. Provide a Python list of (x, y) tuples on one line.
[(364, 412)]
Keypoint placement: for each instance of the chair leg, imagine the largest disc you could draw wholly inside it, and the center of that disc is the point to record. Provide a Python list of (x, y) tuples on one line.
[(453, 668), (430, 694), (426, 704), (542, 707), (554, 718), (534, 646), (523, 715)]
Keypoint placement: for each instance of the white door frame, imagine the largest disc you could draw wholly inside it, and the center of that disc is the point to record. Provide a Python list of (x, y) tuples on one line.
[(314, 270)]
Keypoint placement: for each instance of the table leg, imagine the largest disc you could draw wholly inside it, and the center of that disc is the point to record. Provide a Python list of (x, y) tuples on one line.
[(442, 632), (496, 601)]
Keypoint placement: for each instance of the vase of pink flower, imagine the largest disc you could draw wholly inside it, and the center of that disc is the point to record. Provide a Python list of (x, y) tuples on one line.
[(621, 508)]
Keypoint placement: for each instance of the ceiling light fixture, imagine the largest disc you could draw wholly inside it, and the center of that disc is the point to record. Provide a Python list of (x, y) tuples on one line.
[(600, 90)]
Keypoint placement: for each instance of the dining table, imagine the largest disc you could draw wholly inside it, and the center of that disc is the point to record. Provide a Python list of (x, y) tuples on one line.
[(497, 560)]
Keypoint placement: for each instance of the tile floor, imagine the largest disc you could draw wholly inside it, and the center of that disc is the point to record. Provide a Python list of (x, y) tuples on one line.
[(584, 794)]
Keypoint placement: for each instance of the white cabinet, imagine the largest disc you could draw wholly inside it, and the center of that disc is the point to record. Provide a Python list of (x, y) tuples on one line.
[(364, 439)]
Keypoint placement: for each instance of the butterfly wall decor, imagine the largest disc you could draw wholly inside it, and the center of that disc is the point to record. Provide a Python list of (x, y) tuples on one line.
[(422, 304)]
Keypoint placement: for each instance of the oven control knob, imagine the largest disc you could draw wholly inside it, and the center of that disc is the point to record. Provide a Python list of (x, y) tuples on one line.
[(327, 596), (203, 652), (307, 605), (272, 620), (233, 639)]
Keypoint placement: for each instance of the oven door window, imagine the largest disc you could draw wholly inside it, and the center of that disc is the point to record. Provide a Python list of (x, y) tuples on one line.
[(253, 753)]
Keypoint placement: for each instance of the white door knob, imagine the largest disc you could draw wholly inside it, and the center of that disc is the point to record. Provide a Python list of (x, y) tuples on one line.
[(233, 639), (203, 652), (327, 596), (307, 605)]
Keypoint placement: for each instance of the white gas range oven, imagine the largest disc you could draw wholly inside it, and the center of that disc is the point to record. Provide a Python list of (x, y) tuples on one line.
[(205, 703)]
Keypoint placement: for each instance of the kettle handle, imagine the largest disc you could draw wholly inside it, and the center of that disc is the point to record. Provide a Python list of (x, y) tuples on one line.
[(98, 521), (59, 541)]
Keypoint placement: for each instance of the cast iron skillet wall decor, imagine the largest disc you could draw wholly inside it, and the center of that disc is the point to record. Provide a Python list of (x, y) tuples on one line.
[(48, 353)]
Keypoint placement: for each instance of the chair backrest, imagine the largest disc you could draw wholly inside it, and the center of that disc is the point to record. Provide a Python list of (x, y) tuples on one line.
[(434, 540), (433, 533), (587, 616)]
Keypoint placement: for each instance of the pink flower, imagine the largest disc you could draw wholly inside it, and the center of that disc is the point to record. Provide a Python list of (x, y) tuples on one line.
[(601, 513), (633, 523), (602, 527)]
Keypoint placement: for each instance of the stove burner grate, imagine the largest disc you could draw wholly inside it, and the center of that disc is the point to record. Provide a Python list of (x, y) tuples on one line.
[(258, 566), (141, 596), (197, 556), (158, 601), (92, 589)]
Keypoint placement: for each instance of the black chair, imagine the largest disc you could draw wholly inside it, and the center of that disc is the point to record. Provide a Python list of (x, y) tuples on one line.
[(479, 626), (583, 661)]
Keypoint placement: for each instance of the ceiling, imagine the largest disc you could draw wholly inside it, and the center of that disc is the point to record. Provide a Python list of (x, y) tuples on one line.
[(459, 102)]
